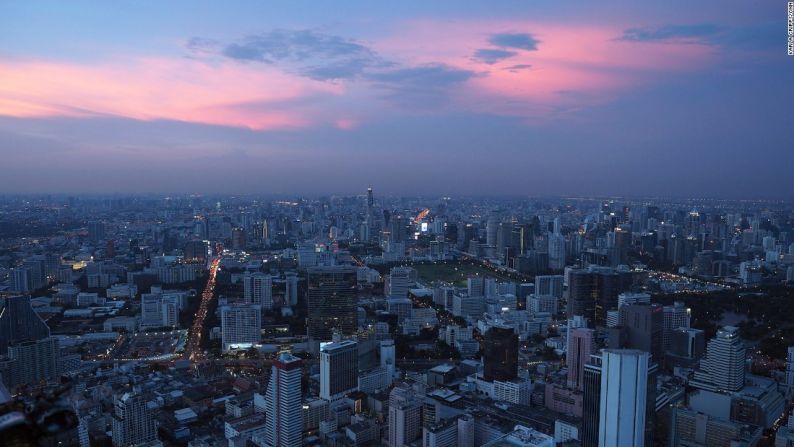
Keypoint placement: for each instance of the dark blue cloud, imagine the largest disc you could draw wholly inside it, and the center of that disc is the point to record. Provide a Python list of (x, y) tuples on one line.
[(492, 55), (522, 41), (671, 32), (312, 54), (433, 75), (752, 37), (421, 86), (201, 44)]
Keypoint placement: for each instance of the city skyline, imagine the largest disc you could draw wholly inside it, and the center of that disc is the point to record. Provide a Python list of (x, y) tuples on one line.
[(501, 99)]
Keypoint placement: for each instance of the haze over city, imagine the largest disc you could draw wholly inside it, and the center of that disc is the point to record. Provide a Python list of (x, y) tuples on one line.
[(516, 98)]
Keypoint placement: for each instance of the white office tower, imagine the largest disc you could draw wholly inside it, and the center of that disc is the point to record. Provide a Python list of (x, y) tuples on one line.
[(133, 423), (291, 288), (388, 358), (723, 366), (241, 326), (549, 285), (338, 369), (401, 280), (405, 422), (675, 316), (283, 404), (475, 285), (258, 289), (624, 390), (556, 251)]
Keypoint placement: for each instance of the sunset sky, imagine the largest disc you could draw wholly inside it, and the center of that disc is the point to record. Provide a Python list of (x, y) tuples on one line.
[(675, 98)]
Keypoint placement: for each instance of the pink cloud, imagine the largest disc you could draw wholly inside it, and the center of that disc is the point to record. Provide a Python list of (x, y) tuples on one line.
[(156, 88), (345, 124), (574, 66)]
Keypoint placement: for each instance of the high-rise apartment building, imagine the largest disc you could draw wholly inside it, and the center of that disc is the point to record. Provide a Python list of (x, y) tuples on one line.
[(283, 403), (258, 289), (241, 326), (133, 422)]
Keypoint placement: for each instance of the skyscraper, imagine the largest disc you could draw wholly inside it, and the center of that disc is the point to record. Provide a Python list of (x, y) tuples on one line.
[(258, 289), (405, 408), (291, 288), (549, 285), (21, 280), (475, 285), (241, 326), (556, 251), (25, 339), (644, 325), (388, 358), (675, 316), (401, 280), (591, 402), (581, 345), (722, 368), (686, 347), (338, 369), (96, 231), (133, 422), (283, 404), (331, 301), (19, 322), (582, 294), (592, 292), (31, 362), (790, 370), (491, 228), (500, 354), (624, 392)]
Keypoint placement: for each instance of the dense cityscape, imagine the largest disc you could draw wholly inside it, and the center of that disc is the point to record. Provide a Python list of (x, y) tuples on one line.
[(375, 320), (445, 223)]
